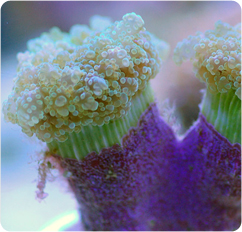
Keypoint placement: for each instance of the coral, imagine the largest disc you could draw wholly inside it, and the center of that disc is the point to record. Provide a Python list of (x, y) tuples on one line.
[(87, 94), (85, 77), (216, 57)]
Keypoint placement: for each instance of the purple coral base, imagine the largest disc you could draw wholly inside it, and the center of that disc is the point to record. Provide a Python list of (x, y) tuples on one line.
[(156, 182)]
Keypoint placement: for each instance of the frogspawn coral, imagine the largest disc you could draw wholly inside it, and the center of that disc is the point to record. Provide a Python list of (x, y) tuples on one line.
[(216, 57), (125, 164), (88, 76)]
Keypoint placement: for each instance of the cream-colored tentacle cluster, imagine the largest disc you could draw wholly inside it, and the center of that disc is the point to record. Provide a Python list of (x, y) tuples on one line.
[(85, 77), (216, 57)]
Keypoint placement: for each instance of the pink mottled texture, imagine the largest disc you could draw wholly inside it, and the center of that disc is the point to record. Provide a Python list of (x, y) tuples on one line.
[(156, 182)]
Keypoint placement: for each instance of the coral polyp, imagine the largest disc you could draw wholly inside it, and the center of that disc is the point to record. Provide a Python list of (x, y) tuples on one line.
[(216, 56), (85, 77)]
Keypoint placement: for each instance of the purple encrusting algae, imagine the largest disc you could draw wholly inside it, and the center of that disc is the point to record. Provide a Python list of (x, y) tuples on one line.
[(202, 182), (156, 182), (115, 187)]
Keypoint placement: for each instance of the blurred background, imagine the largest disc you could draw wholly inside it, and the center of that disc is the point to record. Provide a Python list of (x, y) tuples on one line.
[(21, 21)]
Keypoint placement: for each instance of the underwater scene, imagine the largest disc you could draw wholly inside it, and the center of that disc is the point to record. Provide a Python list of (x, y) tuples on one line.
[(121, 116)]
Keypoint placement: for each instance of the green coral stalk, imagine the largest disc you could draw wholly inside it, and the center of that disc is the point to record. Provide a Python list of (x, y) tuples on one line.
[(223, 111), (95, 138)]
